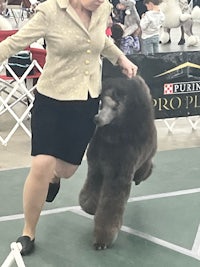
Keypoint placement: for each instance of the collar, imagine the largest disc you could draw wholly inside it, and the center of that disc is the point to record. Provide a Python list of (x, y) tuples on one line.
[(63, 3)]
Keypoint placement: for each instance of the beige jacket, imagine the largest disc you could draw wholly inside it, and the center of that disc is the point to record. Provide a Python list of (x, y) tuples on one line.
[(73, 66)]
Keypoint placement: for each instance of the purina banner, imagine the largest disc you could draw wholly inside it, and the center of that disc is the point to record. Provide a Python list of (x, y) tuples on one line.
[(173, 78)]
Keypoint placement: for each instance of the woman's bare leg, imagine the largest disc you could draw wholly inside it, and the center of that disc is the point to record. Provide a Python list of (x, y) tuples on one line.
[(43, 168)]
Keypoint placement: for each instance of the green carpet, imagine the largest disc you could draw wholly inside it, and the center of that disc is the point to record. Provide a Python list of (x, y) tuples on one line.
[(158, 231)]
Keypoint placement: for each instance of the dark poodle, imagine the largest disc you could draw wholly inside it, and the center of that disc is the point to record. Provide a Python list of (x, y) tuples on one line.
[(120, 152)]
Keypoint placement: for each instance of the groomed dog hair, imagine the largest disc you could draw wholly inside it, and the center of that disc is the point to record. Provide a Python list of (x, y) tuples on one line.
[(120, 152)]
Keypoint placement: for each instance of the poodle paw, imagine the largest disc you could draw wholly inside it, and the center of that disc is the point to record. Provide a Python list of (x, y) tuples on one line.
[(181, 42), (100, 246), (101, 243)]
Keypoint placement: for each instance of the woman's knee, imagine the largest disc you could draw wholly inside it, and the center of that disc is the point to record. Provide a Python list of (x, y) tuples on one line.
[(49, 167), (64, 169), (43, 166)]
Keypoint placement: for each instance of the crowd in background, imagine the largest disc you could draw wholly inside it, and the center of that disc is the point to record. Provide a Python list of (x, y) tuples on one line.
[(144, 37), (134, 24)]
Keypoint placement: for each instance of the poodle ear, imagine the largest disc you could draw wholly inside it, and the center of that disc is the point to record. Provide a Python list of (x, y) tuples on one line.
[(118, 94)]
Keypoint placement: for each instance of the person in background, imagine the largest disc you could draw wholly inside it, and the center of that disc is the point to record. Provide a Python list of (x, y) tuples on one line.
[(128, 44), (3, 7), (118, 15), (109, 25), (150, 24), (67, 96), (195, 3), (131, 19), (140, 6)]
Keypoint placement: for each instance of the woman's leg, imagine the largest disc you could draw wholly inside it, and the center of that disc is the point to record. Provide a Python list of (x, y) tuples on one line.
[(43, 168), (63, 169)]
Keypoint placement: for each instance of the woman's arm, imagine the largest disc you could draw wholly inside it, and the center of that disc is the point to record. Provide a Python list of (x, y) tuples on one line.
[(116, 56), (33, 30)]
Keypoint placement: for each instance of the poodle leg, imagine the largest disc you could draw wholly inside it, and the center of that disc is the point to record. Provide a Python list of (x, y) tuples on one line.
[(143, 172), (168, 31), (187, 27), (182, 40), (89, 194), (165, 36), (109, 214)]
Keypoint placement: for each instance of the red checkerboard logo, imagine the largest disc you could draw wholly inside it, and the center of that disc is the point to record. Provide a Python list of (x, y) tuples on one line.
[(168, 89)]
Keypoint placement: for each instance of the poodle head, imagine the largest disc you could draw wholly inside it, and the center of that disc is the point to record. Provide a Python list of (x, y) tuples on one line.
[(121, 99)]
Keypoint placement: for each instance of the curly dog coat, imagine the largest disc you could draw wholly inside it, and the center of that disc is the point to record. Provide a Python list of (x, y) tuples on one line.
[(120, 152)]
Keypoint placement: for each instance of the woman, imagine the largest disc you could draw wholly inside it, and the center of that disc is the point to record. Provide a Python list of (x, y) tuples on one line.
[(67, 94)]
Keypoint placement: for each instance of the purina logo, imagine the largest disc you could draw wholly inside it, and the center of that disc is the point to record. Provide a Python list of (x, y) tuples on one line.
[(181, 88)]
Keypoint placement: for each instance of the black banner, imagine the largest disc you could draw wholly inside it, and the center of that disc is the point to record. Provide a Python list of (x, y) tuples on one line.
[(173, 78)]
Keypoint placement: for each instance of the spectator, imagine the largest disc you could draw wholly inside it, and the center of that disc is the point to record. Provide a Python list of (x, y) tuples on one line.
[(140, 6), (117, 14), (196, 3), (128, 44), (150, 23)]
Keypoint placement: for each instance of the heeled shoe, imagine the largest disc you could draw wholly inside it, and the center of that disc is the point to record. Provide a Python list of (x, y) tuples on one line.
[(52, 191), (28, 245)]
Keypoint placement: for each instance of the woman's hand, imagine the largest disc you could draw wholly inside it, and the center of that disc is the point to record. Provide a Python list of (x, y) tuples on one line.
[(128, 68)]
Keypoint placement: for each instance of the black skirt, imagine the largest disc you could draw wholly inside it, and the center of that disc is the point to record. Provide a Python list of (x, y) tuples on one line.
[(62, 129)]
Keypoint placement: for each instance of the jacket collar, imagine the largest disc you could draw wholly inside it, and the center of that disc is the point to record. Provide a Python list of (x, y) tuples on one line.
[(63, 3)]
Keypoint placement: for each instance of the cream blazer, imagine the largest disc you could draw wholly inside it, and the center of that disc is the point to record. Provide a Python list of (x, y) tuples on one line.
[(73, 65)]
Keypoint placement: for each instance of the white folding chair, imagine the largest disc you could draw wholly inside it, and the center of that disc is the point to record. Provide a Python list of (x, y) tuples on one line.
[(14, 256), (19, 90), (16, 9)]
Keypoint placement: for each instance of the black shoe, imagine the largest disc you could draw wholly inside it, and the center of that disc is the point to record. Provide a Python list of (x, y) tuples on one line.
[(27, 245), (53, 191)]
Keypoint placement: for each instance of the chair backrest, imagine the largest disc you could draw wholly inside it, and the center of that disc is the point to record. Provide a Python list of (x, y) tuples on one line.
[(39, 55), (5, 33), (14, 2)]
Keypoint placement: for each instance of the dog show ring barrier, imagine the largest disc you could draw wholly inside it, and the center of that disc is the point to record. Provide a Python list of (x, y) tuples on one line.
[(14, 256), (15, 90), (174, 82), (22, 85)]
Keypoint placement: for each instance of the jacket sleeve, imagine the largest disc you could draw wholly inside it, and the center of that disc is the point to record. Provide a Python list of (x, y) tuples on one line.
[(33, 30), (111, 51)]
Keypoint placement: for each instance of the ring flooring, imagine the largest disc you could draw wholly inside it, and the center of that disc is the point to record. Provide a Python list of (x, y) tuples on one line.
[(161, 224)]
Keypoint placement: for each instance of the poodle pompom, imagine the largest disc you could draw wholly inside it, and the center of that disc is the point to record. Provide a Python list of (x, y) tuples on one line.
[(196, 13), (184, 17), (164, 37), (192, 40)]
